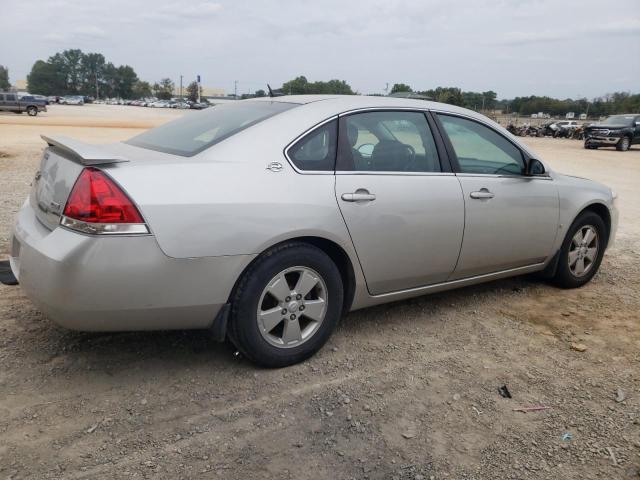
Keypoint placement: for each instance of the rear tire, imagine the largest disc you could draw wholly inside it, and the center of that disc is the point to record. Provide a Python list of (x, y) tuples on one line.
[(579, 262), (271, 321), (624, 144)]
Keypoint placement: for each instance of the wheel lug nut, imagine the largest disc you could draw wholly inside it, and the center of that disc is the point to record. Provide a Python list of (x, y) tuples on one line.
[(288, 299), (301, 307), (292, 317), (284, 311), (298, 297)]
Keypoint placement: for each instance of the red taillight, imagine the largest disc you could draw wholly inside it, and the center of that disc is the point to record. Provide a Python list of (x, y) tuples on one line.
[(95, 198)]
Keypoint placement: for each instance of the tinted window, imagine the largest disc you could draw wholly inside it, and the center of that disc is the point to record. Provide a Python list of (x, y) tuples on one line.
[(480, 149), (10, 98), (316, 150), (195, 132), (387, 142)]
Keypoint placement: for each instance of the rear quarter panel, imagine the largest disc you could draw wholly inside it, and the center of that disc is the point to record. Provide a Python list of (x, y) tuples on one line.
[(224, 201)]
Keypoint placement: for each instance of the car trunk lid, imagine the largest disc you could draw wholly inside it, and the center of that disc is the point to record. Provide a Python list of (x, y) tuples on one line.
[(61, 164)]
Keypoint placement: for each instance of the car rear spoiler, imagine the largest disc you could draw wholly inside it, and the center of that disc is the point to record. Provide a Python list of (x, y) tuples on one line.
[(84, 153)]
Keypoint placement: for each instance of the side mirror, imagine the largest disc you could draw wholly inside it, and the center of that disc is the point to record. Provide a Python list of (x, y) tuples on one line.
[(637, 124), (534, 167)]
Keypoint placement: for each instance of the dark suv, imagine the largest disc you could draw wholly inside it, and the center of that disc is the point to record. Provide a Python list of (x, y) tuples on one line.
[(620, 131), (9, 102)]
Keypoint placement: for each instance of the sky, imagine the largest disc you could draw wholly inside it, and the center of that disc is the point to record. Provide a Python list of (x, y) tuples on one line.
[(560, 48)]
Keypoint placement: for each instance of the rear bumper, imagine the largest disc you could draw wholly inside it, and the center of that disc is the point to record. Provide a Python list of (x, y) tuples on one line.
[(120, 283)]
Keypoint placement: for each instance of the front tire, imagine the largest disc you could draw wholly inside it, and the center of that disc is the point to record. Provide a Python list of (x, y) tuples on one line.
[(582, 251), (286, 305), (32, 111), (624, 144)]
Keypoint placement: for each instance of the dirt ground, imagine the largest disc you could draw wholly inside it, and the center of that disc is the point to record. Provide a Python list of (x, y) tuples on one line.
[(402, 391)]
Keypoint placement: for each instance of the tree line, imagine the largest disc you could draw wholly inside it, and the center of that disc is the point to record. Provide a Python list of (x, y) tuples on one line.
[(73, 72), (619, 102)]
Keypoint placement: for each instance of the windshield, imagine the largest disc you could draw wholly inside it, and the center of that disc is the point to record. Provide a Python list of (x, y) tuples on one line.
[(619, 120), (196, 132)]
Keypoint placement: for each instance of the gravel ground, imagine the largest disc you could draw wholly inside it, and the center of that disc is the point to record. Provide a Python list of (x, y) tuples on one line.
[(402, 391)]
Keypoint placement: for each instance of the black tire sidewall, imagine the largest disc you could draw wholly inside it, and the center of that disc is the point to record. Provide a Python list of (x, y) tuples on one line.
[(564, 277), (32, 111), (244, 331)]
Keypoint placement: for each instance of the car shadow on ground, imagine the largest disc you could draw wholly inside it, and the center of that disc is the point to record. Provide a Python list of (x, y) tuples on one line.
[(114, 352)]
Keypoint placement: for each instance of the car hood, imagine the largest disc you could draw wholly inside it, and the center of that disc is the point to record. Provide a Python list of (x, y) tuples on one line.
[(609, 127), (575, 181)]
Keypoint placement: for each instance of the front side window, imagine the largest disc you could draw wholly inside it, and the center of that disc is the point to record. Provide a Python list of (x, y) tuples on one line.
[(480, 149), (196, 132), (316, 151), (387, 141)]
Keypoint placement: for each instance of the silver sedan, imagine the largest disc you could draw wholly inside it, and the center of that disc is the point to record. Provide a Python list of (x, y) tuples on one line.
[(264, 221)]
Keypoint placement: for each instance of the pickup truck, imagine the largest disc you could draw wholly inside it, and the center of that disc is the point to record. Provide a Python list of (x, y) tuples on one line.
[(620, 131), (9, 102)]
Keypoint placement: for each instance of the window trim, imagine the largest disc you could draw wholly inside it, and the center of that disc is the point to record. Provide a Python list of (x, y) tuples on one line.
[(304, 134), (443, 158), (454, 158)]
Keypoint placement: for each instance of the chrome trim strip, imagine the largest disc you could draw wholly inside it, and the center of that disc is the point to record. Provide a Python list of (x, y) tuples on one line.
[(493, 175), (405, 174), (377, 109), (461, 281), (104, 228)]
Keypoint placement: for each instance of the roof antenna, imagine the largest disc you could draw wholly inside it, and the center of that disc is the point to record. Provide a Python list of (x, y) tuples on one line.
[(270, 91)]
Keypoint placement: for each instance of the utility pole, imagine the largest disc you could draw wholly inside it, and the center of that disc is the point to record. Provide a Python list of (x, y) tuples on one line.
[(386, 89), (199, 88), (235, 89), (180, 87)]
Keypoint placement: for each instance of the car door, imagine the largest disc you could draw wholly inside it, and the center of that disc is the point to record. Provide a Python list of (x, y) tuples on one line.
[(403, 210), (511, 219), (11, 101)]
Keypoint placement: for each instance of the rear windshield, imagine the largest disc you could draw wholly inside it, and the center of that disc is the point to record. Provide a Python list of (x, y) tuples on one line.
[(198, 131)]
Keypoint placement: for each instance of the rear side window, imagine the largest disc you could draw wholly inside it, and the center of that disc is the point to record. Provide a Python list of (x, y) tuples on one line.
[(196, 132), (10, 98), (316, 151)]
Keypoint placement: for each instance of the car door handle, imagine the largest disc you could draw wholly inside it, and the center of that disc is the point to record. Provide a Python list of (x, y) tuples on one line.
[(483, 193), (358, 197)]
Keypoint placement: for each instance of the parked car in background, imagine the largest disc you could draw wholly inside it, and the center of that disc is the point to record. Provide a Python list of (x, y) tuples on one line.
[(39, 98), (345, 202), (9, 102), (72, 100), (620, 131)]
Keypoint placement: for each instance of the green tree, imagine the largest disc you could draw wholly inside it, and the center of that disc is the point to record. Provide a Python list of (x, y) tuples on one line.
[(192, 91), (92, 65), (126, 78), (4, 78), (164, 89), (45, 79), (301, 86), (69, 65), (141, 89), (400, 87), (260, 93)]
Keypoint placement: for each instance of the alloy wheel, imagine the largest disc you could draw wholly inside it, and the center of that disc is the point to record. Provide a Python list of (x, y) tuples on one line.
[(292, 307), (583, 250)]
